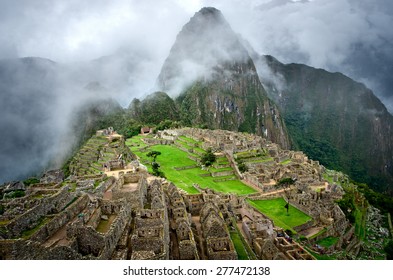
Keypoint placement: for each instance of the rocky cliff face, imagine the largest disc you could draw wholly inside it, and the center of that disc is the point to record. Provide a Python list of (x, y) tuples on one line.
[(333, 119), (216, 81)]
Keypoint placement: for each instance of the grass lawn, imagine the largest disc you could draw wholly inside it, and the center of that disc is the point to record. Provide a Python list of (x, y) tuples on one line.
[(184, 138), (360, 222), (328, 241), (276, 211), (318, 256), (135, 143), (172, 157), (239, 246), (285, 162)]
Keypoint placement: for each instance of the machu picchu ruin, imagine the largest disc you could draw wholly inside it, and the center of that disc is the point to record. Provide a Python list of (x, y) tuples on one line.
[(253, 201)]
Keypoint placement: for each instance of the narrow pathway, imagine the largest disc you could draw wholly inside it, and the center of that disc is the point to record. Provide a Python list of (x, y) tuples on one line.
[(196, 220), (59, 237)]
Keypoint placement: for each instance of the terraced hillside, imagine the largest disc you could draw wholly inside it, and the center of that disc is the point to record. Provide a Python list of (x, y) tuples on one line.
[(180, 163), (98, 151)]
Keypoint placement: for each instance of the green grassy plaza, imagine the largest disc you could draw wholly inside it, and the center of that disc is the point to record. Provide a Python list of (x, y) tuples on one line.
[(172, 157), (275, 210)]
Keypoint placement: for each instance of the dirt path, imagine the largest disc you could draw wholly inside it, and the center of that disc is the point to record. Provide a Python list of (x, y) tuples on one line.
[(198, 225), (175, 246), (275, 192), (60, 236)]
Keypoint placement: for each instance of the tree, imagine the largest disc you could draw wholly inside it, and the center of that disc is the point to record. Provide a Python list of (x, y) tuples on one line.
[(243, 167), (287, 206), (208, 158), (389, 250), (153, 154), (156, 171), (285, 182)]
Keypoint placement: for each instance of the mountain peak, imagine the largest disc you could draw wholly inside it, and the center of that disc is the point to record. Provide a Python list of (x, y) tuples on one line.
[(205, 43), (209, 12), (216, 82)]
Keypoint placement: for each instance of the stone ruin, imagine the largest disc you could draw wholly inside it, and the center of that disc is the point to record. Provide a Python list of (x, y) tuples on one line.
[(134, 215)]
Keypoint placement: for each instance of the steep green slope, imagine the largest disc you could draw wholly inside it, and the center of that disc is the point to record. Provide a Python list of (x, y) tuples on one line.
[(155, 108), (335, 120)]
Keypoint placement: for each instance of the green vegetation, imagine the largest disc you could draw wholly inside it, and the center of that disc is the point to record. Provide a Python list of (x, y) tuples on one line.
[(69, 203), (27, 233), (155, 108), (156, 170), (239, 246), (286, 162), (275, 210), (31, 181), (153, 154), (389, 250), (242, 167), (381, 201), (320, 256), (328, 241), (360, 222), (104, 225), (318, 234), (15, 194), (121, 122), (355, 202), (2, 209), (285, 182), (208, 158), (347, 205), (172, 160)]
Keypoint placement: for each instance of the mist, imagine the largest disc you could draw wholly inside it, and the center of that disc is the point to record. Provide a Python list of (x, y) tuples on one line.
[(121, 46)]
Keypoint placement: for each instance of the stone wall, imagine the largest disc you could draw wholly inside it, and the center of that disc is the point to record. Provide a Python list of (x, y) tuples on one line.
[(29, 250), (221, 249), (90, 242), (98, 245), (60, 219), (222, 173), (304, 226), (131, 178), (188, 250), (158, 141), (31, 218), (143, 241), (116, 230)]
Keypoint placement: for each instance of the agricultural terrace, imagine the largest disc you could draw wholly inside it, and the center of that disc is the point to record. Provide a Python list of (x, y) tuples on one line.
[(276, 211), (173, 159)]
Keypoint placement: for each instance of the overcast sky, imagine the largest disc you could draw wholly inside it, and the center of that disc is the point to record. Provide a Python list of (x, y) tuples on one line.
[(351, 36)]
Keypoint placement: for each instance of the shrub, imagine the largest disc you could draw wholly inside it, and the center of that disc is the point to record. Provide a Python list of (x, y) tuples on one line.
[(31, 181), (389, 250), (15, 194), (243, 167), (208, 158)]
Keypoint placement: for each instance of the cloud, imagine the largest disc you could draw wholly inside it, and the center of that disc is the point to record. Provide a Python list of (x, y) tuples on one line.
[(353, 37), (123, 44)]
